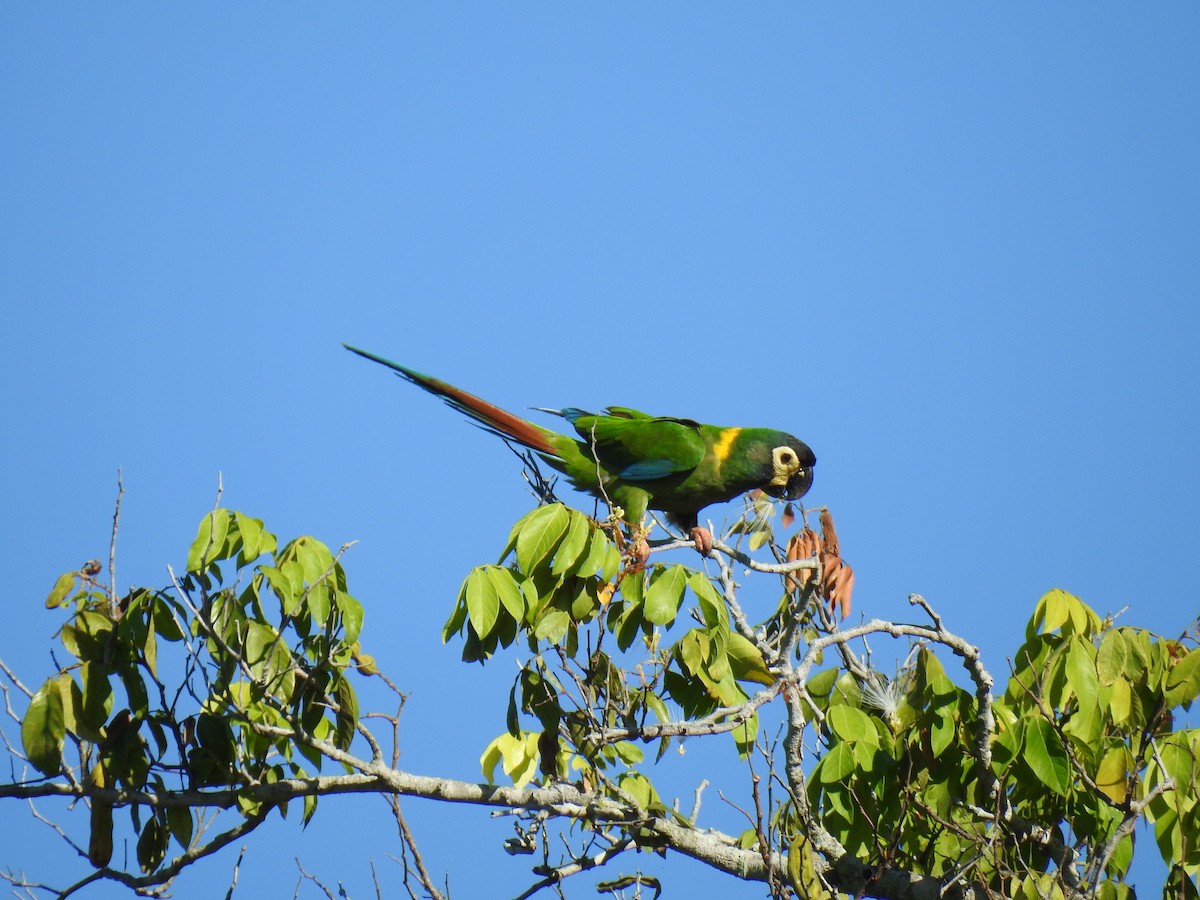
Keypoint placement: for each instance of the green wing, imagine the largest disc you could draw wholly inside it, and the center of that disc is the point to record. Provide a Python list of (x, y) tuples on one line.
[(637, 447)]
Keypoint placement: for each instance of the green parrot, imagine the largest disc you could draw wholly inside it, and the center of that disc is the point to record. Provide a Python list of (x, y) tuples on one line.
[(639, 462)]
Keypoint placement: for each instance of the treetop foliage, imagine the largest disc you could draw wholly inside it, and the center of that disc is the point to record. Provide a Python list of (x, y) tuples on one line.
[(186, 714)]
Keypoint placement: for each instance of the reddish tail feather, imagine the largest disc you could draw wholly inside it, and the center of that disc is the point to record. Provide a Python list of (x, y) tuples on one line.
[(492, 417)]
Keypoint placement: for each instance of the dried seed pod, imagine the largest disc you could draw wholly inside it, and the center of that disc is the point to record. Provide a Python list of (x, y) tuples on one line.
[(829, 533), (846, 589)]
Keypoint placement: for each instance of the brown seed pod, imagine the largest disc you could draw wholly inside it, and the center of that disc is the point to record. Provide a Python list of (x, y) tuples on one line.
[(829, 533)]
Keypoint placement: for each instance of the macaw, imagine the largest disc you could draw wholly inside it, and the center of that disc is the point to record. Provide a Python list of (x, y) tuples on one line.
[(638, 462)]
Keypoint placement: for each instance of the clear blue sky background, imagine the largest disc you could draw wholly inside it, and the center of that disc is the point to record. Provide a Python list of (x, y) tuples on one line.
[(953, 247)]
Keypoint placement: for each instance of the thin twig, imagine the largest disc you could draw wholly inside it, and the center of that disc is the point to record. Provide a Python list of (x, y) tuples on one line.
[(112, 545)]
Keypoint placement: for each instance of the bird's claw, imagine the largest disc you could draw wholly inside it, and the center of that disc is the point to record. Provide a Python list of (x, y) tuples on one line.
[(703, 540)]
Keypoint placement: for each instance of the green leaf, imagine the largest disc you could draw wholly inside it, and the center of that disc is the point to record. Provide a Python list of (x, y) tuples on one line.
[(1052, 612), (351, 612), (712, 604), (458, 617), (1112, 657), (152, 845), (1112, 777), (150, 648), (664, 595), (287, 583), (596, 555), (633, 587), (44, 728), (179, 820), (72, 703), (1046, 756), (61, 590), (508, 591), (573, 544), (209, 545), (1183, 680), (1120, 701), (552, 626), (853, 725), (483, 602), (612, 561), (97, 697), (746, 660), (821, 684), (1084, 683), (314, 557), (540, 535), (347, 714), (837, 764)]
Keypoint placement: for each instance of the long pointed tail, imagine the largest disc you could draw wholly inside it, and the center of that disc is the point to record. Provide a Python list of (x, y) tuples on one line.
[(492, 418)]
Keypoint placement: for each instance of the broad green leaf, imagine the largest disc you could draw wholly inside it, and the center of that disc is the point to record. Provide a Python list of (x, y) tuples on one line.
[(256, 540), (347, 714), (1046, 756), (837, 764), (179, 820), (209, 544), (286, 581), (941, 734), (693, 650), (597, 552), (316, 562), (165, 624), (458, 616), (630, 754), (61, 590), (633, 586), (1052, 612), (746, 661), (513, 533), (152, 845), (44, 728), (1120, 701), (97, 697), (612, 561), (318, 598), (1183, 680), (1081, 675), (507, 591), (351, 612), (552, 626), (573, 544), (150, 648), (712, 605), (1112, 777), (72, 704), (718, 663), (639, 788), (853, 725), (664, 595), (821, 684), (483, 602), (540, 535), (1112, 657), (518, 756)]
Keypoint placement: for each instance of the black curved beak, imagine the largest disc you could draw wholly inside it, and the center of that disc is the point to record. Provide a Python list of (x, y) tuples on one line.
[(798, 484)]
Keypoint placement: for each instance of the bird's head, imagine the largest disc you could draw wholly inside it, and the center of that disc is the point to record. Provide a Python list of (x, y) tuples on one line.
[(791, 469)]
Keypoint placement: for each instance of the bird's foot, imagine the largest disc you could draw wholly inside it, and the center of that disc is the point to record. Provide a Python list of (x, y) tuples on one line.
[(703, 540)]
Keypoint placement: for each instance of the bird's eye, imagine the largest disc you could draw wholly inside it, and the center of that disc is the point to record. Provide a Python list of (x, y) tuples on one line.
[(784, 456)]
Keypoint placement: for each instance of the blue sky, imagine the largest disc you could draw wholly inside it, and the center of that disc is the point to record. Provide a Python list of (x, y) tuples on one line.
[(951, 247)]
